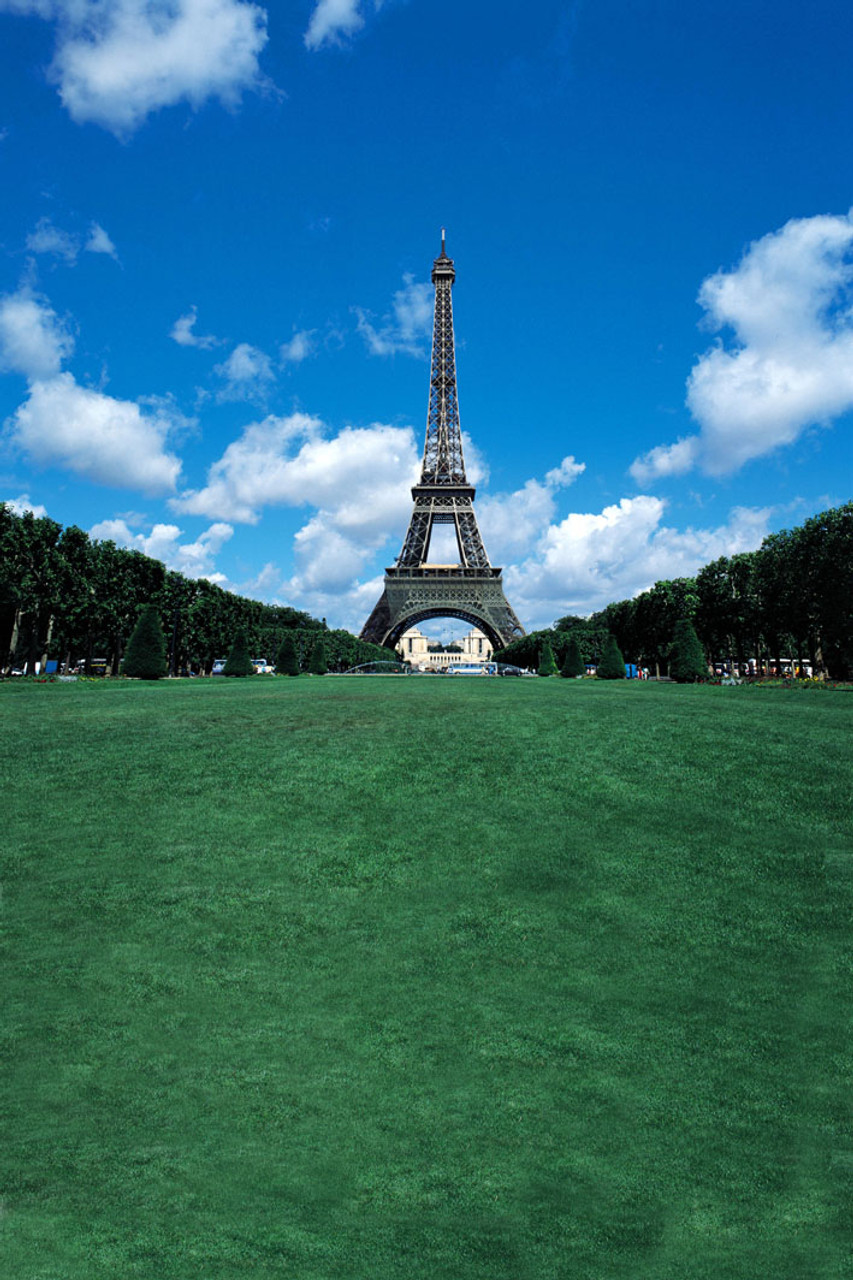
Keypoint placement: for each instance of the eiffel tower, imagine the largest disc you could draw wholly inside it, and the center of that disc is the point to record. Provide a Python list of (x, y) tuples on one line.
[(415, 589)]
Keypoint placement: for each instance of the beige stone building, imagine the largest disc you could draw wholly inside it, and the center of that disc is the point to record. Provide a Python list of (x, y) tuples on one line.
[(414, 648)]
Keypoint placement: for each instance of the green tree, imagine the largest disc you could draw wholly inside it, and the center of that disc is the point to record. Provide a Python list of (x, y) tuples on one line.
[(287, 660), (620, 621), (612, 664), (145, 656), (547, 663), (686, 657), (654, 617), (524, 652), (317, 662), (76, 614), (573, 663), (239, 663), (29, 583)]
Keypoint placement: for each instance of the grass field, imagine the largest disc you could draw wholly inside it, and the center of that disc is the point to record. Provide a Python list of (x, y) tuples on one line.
[(426, 978)]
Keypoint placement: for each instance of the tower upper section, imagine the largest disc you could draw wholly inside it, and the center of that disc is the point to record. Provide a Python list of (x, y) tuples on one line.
[(442, 267), (443, 463)]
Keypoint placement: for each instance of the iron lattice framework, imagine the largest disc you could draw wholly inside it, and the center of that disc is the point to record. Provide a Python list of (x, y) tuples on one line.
[(415, 589)]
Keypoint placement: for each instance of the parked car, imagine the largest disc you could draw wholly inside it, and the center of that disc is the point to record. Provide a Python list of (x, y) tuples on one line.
[(262, 667), (218, 668), (510, 671)]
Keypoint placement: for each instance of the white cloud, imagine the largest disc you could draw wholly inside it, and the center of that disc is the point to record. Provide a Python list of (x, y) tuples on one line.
[(109, 441), (590, 559), (511, 522), (118, 60), (100, 242), (327, 559), (476, 465), (195, 559), (300, 346), (331, 20), (350, 607), (248, 374), (344, 606), (406, 328), (789, 304), (666, 460), (358, 483), (182, 332), (50, 239), (33, 339), (22, 504), (360, 477), (564, 475)]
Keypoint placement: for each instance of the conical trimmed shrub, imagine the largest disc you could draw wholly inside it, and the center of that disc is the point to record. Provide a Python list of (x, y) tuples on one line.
[(573, 663), (145, 657), (287, 661), (547, 661), (239, 663), (612, 664), (686, 656), (317, 661)]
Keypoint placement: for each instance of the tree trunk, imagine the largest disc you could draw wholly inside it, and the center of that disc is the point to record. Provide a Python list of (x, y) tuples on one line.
[(47, 641), (13, 639)]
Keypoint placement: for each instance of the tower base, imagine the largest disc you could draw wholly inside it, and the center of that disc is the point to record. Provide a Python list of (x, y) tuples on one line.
[(412, 595)]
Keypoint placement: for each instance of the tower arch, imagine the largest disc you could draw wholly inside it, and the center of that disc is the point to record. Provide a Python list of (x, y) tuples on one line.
[(423, 615)]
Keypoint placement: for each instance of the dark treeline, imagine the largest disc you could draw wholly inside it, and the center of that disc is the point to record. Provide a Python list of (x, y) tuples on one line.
[(65, 596), (790, 600)]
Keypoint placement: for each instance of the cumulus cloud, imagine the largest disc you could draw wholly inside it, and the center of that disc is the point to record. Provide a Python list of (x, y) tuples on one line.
[(300, 346), (511, 522), (359, 478), (52, 240), (22, 504), (183, 332), (666, 460), (247, 373), (195, 559), (348, 607), (590, 559), (358, 484), (99, 242), (789, 306), (33, 339), (116, 61), (405, 327), (112, 442), (332, 20)]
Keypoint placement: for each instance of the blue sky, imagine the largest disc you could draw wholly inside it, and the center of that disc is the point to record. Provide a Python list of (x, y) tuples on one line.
[(216, 232)]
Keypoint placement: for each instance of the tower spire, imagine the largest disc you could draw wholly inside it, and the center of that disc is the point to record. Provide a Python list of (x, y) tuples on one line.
[(443, 460)]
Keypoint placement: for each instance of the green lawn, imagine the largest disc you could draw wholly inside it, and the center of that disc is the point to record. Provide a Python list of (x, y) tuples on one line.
[(426, 979)]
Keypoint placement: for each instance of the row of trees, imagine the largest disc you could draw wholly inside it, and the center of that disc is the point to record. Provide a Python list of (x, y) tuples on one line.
[(65, 596), (145, 657), (790, 600)]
